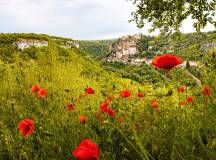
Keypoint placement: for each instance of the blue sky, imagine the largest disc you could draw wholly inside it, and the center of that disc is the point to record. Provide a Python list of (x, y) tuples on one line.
[(77, 19)]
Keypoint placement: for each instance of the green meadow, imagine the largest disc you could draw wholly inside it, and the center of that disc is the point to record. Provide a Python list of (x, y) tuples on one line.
[(171, 130)]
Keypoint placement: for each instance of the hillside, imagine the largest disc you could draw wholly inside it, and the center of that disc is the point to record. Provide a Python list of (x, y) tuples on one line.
[(52, 97), (97, 48), (131, 55), (65, 74), (127, 48)]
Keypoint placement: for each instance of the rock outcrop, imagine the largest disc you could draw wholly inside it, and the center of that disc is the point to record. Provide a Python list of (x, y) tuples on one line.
[(26, 43), (70, 44)]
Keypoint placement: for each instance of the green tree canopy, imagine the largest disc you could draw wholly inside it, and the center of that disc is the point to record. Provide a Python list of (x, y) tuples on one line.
[(168, 15)]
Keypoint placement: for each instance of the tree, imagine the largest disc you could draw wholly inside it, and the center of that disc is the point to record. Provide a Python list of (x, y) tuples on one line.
[(168, 15), (143, 43)]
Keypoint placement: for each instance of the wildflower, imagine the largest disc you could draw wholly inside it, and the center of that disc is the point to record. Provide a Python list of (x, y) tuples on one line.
[(111, 112), (181, 89), (207, 91), (35, 88), (122, 111), (42, 93), (104, 106), (82, 119), (120, 120), (110, 98), (78, 99), (88, 91), (70, 107), (166, 61), (183, 103), (26, 127), (86, 150), (158, 110), (137, 126), (125, 93), (190, 111), (190, 99), (140, 94), (154, 104)]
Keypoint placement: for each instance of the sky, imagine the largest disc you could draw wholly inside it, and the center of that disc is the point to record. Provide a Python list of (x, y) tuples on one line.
[(77, 19)]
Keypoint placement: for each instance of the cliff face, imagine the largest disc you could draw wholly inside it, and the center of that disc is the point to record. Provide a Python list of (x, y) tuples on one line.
[(26, 43), (125, 46), (70, 44)]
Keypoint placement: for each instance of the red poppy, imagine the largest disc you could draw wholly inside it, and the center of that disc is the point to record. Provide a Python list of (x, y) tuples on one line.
[(26, 127), (110, 98), (166, 61), (42, 93), (125, 93), (190, 99), (181, 89), (82, 119), (70, 107), (35, 88), (207, 91), (88, 91), (86, 150), (154, 104), (78, 99), (104, 106), (158, 110), (140, 94), (183, 102), (111, 112), (120, 120)]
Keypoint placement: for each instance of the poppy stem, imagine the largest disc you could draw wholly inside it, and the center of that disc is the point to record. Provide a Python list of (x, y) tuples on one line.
[(129, 142), (45, 132), (186, 103)]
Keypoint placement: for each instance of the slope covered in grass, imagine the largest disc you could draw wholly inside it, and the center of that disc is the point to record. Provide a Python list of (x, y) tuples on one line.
[(154, 126)]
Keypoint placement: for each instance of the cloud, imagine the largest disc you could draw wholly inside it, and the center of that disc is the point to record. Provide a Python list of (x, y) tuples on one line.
[(88, 19)]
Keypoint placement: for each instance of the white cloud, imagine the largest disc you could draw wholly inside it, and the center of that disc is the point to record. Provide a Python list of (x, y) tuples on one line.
[(88, 19)]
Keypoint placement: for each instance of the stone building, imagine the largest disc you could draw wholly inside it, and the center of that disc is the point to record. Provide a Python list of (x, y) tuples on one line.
[(126, 46)]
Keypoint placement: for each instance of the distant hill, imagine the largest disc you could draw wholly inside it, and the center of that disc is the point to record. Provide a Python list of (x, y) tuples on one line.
[(30, 46), (97, 48), (131, 47), (130, 55)]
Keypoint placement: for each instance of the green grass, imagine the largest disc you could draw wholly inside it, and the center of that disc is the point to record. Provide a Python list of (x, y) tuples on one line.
[(177, 132)]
